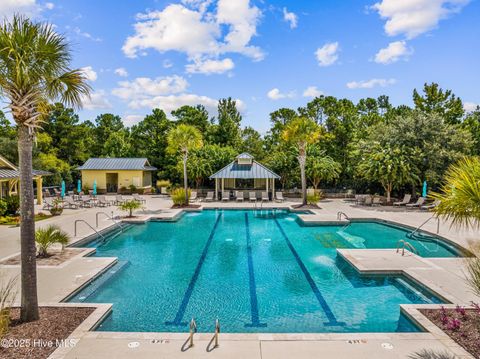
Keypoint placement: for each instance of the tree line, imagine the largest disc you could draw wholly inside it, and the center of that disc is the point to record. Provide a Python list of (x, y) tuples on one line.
[(371, 145)]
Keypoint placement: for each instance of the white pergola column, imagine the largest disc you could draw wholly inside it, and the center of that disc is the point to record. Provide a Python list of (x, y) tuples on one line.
[(223, 185), (216, 188), (273, 189), (266, 185)]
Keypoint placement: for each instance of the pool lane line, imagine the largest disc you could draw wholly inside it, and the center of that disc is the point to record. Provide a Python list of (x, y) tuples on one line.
[(332, 321), (188, 293), (251, 280)]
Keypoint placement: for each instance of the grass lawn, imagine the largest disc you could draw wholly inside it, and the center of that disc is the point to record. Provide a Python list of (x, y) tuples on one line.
[(15, 220)]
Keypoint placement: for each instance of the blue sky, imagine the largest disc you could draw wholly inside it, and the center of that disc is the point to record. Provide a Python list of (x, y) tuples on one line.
[(267, 54)]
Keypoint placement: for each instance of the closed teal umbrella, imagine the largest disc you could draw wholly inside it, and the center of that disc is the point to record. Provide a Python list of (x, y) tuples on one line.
[(62, 194), (424, 191), (94, 187), (79, 186)]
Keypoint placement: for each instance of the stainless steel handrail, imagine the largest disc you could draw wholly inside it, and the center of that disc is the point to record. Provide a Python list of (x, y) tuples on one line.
[(193, 330), (81, 220), (340, 214), (424, 223), (113, 220), (402, 244), (217, 332)]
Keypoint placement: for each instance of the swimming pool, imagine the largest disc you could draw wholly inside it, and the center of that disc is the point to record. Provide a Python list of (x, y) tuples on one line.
[(255, 272)]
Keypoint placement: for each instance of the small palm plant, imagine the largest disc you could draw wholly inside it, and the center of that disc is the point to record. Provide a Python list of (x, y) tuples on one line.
[(184, 138), (130, 206), (8, 293), (300, 132), (45, 237)]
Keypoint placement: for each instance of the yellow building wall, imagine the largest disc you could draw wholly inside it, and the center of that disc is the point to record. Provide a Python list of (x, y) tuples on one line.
[(125, 179)]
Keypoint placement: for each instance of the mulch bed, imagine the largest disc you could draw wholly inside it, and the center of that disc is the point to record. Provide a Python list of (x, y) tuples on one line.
[(193, 206), (55, 258), (308, 206), (39, 338), (462, 325)]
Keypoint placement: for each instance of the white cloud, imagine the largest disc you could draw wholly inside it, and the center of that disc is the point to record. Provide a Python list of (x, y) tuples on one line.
[(197, 30), (312, 91), (130, 120), (26, 7), (86, 35), (371, 83), (414, 17), (327, 54), (210, 66), (49, 5), (275, 94), (172, 102), (290, 17), (393, 52), (96, 101), (145, 87), (89, 73), (121, 71), (470, 106)]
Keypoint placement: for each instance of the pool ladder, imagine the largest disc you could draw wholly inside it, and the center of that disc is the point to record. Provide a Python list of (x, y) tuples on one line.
[(402, 244), (193, 329), (109, 217), (81, 220), (340, 214)]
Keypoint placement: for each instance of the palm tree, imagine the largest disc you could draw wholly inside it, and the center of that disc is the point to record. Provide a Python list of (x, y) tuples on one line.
[(34, 69), (184, 138), (45, 237), (460, 194), (300, 132)]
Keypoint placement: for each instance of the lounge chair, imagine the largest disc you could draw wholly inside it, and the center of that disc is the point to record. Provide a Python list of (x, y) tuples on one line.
[(420, 202), (209, 197), (279, 197), (86, 201), (70, 203), (377, 201), (137, 198), (119, 199), (368, 201), (406, 200), (225, 196), (48, 203), (265, 197), (102, 201), (432, 205), (360, 199), (239, 196), (193, 196), (252, 196)]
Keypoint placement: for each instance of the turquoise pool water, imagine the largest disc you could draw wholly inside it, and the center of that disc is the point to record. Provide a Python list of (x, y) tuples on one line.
[(255, 273)]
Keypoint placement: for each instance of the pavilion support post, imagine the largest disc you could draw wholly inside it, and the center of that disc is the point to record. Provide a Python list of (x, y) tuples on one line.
[(223, 185), (266, 185), (39, 190), (216, 188), (273, 189)]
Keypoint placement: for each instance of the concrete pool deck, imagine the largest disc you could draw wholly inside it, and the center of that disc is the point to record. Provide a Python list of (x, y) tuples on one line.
[(442, 275)]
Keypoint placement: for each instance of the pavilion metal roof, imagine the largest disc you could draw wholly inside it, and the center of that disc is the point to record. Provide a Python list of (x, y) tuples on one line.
[(140, 164), (8, 173), (247, 171)]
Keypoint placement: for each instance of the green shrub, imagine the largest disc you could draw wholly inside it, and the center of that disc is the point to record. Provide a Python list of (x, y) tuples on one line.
[(313, 198), (178, 196), (7, 297), (13, 205), (132, 188), (163, 183), (3, 207)]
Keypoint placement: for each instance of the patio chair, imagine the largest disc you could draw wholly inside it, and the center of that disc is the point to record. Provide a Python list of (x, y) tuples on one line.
[(193, 196), (209, 197), (70, 203), (265, 197), (225, 196), (102, 201), (420, 202), (239, 196), (252, 196), (119, 199), (432, 205), (360, 199), (279, 197), (406, 200), (137, 198), (85, 201)]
